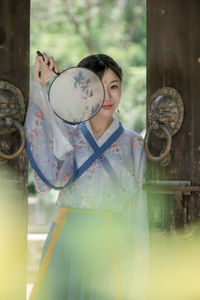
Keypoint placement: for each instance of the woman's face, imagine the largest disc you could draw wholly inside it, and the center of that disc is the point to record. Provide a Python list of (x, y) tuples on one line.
[(112, 87)]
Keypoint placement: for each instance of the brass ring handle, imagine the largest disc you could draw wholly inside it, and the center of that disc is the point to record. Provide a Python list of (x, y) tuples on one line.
[(156, 126), (22, 135)]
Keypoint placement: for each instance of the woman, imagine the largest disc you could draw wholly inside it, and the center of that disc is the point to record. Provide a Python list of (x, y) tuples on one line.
[(97, 247)]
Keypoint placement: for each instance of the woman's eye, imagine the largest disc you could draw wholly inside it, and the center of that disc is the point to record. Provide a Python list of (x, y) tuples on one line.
[(115, 86)]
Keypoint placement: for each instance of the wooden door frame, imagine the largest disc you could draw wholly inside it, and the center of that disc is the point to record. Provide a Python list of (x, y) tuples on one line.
[(173, 60), (14, 56)]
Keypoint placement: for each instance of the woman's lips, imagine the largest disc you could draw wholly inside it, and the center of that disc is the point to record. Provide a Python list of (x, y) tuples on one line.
[(107, 106)]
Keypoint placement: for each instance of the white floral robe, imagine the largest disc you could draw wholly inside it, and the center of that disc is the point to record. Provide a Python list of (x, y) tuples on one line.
[(55, 145)]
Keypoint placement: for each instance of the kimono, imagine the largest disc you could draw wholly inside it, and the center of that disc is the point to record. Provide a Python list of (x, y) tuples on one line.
[(97, 246)]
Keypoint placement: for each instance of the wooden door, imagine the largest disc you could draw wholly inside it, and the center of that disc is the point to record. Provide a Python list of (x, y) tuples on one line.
[(14, 72), (173, 60)]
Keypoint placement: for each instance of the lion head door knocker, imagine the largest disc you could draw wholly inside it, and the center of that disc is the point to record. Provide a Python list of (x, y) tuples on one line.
[(12, 112), (165, 116)]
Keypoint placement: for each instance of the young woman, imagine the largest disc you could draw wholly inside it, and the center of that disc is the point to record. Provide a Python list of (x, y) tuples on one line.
[(97, 247)]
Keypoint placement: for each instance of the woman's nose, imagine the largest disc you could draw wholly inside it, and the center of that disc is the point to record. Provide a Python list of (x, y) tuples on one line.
[(106, 95)]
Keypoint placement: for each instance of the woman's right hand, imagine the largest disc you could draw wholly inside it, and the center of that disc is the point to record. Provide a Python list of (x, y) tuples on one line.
[(43, 69)]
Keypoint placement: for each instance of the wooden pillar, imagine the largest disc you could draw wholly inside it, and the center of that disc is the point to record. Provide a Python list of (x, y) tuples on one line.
[(14, 57)]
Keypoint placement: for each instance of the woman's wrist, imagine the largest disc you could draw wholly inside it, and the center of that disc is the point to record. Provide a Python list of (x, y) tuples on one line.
[(35, 78)]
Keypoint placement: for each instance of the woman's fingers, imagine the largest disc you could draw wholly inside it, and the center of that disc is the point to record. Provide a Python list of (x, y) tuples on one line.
[(38, 61), (45, 58), (52, 63), (37, 68), (44, 68), (49, 61)]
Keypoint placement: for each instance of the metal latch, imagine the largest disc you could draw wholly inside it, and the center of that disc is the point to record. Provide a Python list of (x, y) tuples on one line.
[(178, 188), (169, 187)]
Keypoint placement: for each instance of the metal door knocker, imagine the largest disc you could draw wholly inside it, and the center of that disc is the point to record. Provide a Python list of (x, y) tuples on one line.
[(165, 116), (12, 112)]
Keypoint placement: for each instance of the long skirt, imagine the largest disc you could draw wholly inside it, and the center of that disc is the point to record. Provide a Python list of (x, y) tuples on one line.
[(88, 255)]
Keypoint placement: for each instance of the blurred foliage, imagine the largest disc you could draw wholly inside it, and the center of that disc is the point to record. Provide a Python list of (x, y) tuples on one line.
[(72, 29), (69, 30), (31, 186)]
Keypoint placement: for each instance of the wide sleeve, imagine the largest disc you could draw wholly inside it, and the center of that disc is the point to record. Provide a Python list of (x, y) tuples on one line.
[(49, 139)]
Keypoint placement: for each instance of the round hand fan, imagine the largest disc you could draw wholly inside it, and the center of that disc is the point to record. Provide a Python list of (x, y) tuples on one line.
[(76, 95)]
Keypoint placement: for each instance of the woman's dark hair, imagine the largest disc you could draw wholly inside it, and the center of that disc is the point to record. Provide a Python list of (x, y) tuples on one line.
[(99, 63)]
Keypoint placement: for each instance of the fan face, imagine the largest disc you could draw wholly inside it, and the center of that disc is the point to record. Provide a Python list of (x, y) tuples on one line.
[(76, 95)]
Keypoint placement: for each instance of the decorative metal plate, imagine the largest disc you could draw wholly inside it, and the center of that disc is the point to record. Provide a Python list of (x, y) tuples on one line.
[(11, 104), (166, 107)]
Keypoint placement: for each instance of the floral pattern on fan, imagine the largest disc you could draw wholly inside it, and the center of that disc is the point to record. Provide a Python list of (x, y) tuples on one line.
[(76, 95), (83, 82)]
